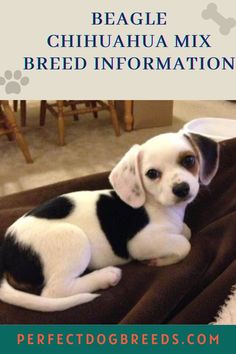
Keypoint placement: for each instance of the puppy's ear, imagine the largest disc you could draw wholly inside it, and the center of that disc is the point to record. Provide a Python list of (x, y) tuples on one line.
[(126, 181), (208, 152)]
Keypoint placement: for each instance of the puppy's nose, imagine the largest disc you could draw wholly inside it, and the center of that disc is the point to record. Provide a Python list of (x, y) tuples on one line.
[(181, 190)]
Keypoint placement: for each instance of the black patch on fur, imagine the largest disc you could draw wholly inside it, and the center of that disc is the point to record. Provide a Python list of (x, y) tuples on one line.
[(21, 263), (57, 208), (120, 222), (209, 152)]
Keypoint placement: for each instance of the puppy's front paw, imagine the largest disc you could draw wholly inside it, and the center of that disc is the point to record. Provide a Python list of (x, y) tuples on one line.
[(186, 232)]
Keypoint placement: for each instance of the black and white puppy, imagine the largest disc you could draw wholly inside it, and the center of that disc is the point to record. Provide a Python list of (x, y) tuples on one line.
[(50, 247)]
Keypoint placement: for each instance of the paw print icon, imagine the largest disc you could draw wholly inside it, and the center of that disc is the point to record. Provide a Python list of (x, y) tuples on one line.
[(13, 81)]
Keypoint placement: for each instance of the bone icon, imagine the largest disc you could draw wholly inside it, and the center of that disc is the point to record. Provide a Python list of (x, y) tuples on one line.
[(226, 24)]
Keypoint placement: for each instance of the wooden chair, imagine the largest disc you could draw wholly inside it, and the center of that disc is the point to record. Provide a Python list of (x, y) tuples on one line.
[(22, 111), (58, 110), (9, 127), (128, 115)]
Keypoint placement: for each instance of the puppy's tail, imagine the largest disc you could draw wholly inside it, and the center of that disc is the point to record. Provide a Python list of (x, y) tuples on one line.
[(19, 298)]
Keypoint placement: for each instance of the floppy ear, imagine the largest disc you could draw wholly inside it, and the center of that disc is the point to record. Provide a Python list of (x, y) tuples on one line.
[(208, 152), (126, 181)]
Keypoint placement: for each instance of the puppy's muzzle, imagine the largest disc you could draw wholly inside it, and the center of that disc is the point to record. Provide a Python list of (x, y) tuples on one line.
[(181, 190)]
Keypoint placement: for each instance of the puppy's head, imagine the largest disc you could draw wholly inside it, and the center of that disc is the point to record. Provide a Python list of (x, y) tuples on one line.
[(167, 169)]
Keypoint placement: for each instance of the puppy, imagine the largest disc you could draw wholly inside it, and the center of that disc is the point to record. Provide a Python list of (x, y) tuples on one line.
[(49, 248)]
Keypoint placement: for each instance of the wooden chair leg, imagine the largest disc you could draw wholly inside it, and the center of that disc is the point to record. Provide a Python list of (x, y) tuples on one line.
[(73, 107), (94, 105), (128, 115), (90, 104), (114, 118), (11, 120), (5, 124), (43, 109), (23, 113), (15, 105), (10, 136), (61, 123)]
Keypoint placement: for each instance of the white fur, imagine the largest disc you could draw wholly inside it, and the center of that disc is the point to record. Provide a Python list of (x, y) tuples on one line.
[(69, 246), (124, 180), (161, 152), (227, 313)]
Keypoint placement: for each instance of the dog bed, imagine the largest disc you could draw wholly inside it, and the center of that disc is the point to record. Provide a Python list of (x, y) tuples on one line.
[(190, 292)]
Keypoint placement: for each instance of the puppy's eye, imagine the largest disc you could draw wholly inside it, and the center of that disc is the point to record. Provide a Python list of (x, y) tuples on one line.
[(188, 161), (153, 173)]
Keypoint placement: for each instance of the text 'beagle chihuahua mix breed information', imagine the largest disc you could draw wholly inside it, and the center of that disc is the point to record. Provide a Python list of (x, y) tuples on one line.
[(186, 47)]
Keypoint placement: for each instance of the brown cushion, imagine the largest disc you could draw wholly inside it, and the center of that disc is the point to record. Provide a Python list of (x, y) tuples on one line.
[(188, 292)]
